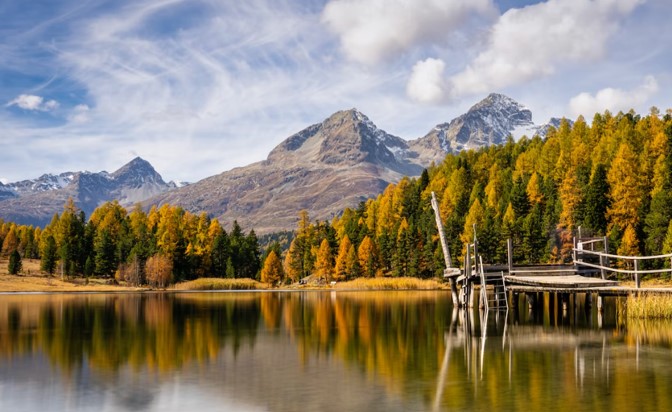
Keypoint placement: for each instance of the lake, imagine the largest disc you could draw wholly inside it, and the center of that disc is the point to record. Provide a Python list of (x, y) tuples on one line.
[(324, 351)]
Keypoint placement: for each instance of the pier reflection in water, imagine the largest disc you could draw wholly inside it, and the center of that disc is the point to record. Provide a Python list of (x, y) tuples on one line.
[(325, 351)]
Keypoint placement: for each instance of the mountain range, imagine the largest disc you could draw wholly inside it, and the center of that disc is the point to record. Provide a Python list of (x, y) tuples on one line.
[(35, 201), (323, 169)]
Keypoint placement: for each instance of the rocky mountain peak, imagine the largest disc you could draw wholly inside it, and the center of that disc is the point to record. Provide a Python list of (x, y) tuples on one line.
[(345, 138), (136, 173), (35, 201), (488, 122), (496, 100)]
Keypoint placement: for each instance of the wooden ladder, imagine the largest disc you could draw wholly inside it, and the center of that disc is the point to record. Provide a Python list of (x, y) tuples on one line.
[(499, 299)]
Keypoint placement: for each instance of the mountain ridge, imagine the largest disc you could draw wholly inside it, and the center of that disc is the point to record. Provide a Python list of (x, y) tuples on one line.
[(323, 168), (35, 201)]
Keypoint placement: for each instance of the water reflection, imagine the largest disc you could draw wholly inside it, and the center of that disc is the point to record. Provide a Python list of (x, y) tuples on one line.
[(325, 351)]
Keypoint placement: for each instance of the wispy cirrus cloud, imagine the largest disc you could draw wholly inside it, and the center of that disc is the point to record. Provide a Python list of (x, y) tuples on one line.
[(200, 86)]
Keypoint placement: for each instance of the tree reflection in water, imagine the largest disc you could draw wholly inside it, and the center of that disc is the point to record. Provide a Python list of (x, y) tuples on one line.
[(413, 344)]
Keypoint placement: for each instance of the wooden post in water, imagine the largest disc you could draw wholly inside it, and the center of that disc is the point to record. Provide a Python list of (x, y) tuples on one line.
[(509, 253), (444, 246), (467, 274)]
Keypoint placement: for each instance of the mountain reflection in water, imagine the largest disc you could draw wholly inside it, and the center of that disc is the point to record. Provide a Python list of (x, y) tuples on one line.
[(328, 351)]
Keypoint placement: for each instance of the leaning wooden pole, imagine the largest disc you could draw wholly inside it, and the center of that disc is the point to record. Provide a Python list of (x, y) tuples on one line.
[(444, 246)]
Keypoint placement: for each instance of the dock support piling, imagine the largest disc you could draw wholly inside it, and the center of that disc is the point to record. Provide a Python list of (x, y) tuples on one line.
[(530, 301), (564, 297)]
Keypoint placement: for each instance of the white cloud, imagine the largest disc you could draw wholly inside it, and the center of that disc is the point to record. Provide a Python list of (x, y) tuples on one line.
[(427, 82), (4, 180), (614, 100), (533, 41), (372, 30), (80, 114), (33, 102)]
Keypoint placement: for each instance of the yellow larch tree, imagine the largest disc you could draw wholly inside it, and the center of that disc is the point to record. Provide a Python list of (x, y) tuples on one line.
[(368, 257), (625, 189), (456, 189), (629, 245), (475, 216), (324, 267), (272, 272), (341, 267), (533, 189), (493, 190), (570, 198), (11, 242)]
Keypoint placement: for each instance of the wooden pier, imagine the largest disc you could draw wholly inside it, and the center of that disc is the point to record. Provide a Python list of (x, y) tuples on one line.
[(587, 273)]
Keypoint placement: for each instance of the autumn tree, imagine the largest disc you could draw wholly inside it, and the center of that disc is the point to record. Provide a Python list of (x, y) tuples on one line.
[(476, 217), (625, 189), (272, 272), (324, 266), (368, 257), (629, 244), (341, 267), (159, 271), (11, 242)]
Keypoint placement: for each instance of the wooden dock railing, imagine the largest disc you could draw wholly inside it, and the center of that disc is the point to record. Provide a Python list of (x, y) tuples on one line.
[(585, 248)]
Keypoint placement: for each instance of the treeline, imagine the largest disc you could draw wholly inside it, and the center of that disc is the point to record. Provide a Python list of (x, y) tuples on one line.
[(165, 245), (611, 178)]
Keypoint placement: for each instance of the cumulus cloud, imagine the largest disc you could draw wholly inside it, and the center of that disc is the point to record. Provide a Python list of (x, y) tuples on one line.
[(613, 99), (533, 41), (33, 102), (372, 30), (427, 82)]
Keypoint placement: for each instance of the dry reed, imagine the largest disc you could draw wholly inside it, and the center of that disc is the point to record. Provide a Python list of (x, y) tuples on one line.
[(649, 306), (403, 283), (220, 284)]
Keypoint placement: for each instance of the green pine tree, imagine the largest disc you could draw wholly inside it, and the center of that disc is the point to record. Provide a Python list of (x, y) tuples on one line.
[(49, 255), (15, 265)]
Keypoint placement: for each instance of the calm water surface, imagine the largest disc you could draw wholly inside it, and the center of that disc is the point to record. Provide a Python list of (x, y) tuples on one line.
[(324, 351)]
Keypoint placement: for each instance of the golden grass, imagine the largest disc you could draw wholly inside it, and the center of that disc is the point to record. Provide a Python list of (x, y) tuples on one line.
[(220, 284), (404, 283), (649, 306), (31, 279)]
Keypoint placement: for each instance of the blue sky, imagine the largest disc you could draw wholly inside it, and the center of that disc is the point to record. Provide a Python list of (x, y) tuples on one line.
[(198, 87)]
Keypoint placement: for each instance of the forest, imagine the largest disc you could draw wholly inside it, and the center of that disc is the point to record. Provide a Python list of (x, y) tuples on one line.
[(165, 245), (611, 178)]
